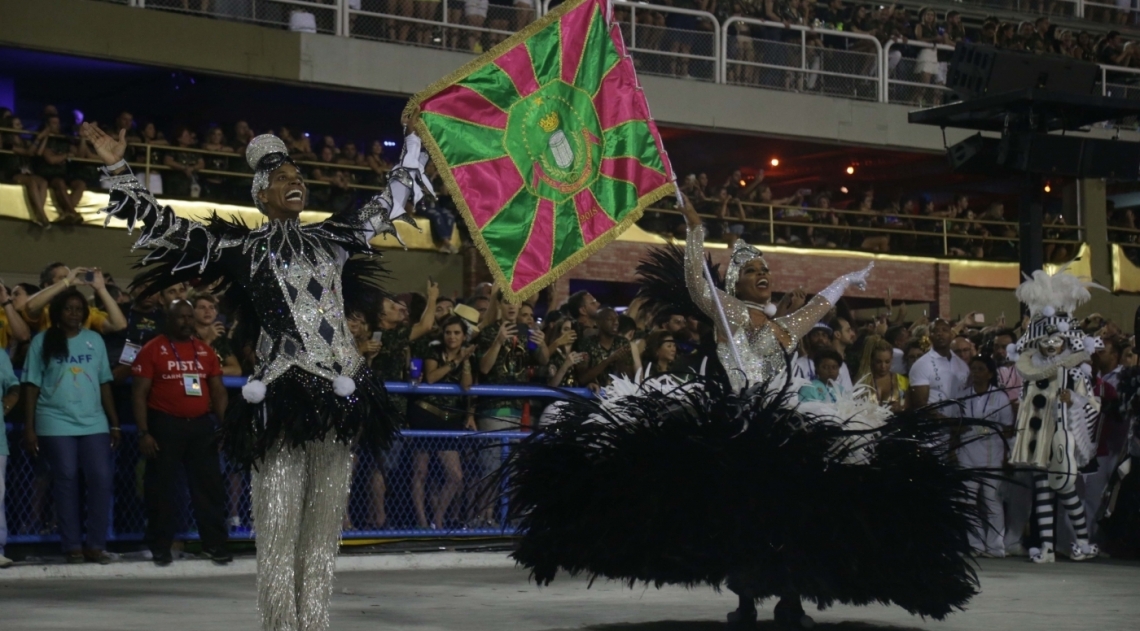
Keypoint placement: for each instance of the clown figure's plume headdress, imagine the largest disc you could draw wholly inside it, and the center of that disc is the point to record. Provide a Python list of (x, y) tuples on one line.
[(1052, 299)]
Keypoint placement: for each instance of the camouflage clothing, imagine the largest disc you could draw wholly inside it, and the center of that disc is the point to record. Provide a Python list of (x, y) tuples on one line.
[(512, 366)]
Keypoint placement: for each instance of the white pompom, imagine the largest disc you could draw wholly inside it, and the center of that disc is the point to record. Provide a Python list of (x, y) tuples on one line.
[(770, 310), (1048, 311), (253, 391), (1063, 326), (1011, 352), (344, 386)]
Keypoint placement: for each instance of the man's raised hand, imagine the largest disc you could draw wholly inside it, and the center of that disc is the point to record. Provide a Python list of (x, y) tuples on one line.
[(109, 148)]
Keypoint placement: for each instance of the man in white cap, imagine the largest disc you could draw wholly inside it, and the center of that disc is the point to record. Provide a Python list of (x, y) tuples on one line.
[(311, 393)]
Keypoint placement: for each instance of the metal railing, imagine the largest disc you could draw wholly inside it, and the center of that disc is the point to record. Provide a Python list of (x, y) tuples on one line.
[(686, 45), (149, 158), (1122, 83), (443, 24), (309, 16), (823, 61), (1125, 237), (833, 228), (768, 57), (764, 222), (390, 491), (908, 79)]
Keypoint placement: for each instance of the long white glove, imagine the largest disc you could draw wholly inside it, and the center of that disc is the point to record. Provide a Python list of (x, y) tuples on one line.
[(835, 290)]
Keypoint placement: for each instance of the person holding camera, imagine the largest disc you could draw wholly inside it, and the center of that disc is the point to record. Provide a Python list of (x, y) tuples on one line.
[(607, 353), (507, 352), (448, 363), (395, 335), (177, 394), (58, 278)]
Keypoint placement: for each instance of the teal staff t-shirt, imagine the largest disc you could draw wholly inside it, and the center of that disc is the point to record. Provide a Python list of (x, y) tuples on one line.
[(8, 381), (70, 403)]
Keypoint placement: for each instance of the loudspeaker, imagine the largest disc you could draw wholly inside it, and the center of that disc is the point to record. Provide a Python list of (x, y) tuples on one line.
[(976, 154), (977, 70), (1071, 156)]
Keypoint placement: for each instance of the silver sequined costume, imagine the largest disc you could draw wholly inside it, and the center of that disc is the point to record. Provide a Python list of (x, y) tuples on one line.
[(761, 354), (311, 393), (733, 483)]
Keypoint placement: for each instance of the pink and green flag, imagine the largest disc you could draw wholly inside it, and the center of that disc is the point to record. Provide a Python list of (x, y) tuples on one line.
[(546, 145)]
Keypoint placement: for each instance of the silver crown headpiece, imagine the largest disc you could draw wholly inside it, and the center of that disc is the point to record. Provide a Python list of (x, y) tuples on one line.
[(741, 254)]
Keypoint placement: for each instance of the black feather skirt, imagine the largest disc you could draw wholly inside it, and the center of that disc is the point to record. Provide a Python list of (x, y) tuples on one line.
[(714, 487), (300, 407)]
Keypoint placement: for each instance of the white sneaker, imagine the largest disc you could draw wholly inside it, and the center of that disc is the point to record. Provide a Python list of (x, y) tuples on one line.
[(1084, 552), (1038, 555), (5, 562)]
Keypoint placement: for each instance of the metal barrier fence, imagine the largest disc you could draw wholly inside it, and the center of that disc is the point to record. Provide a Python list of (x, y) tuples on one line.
[(428, 484), (662, 40), (801, 59)]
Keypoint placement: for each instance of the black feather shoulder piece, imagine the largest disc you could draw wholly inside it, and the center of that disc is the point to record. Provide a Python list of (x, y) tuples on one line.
[(661, 274), (198, 255)]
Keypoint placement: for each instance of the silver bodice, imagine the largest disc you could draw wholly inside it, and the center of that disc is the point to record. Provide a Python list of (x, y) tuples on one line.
[(762, 357), (295, 283)]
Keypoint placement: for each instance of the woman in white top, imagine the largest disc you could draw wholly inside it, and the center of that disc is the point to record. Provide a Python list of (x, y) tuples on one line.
[(986, 448)]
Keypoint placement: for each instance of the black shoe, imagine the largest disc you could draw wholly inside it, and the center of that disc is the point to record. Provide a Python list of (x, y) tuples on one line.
[(790, 613), (163, 559), (218, 555), (742, 617)]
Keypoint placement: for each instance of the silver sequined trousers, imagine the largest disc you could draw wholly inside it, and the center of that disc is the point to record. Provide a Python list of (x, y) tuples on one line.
[(299, 499)]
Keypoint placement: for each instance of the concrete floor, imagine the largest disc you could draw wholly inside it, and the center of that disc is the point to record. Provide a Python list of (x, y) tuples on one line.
[(1102, 596)]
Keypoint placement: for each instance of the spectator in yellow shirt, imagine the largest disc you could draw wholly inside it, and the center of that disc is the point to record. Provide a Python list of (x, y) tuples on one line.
[(60, 278), (12, 326)]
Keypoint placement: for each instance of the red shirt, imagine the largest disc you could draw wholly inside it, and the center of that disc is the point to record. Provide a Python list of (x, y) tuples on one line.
[(165, 363)]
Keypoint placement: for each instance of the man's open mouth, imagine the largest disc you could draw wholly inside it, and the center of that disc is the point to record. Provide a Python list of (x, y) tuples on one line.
[(294, 196)]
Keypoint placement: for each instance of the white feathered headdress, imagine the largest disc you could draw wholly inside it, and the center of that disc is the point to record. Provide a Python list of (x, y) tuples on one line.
[(1048, 294), (1052, 299)]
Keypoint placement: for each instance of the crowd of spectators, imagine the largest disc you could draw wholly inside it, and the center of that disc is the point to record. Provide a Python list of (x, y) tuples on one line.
[(53, 160), (908, 30), (971, 366), (95, 344), (907, 223)]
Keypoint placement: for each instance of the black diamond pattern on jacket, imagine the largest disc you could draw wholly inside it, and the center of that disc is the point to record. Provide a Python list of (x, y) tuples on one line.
[(315, 288)]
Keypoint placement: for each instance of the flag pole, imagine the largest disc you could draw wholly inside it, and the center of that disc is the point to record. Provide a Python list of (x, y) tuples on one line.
[(681, 202), (720, 310)]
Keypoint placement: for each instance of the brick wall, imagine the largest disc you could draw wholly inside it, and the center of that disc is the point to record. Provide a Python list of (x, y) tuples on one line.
[(910, 281)]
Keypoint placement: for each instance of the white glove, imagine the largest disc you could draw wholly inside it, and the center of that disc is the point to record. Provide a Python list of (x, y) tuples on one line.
[(836, 289)]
